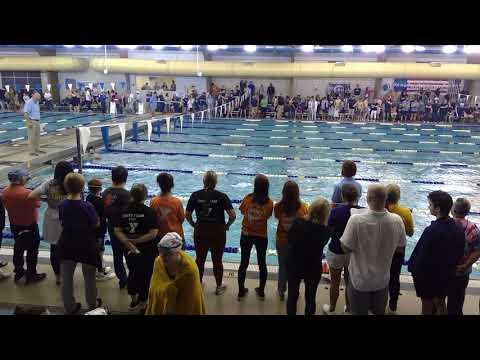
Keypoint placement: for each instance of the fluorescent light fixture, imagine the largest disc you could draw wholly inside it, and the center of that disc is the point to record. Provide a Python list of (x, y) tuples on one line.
[(158, 47), (223, 47), (316, 47), (449, 49), (250, 48), (69, 46), (307, 48), (175, 46), (346, 48), (269, 47), (471, 49), (408, 49), (377, 49), (92, 46), (129, 47), (186, 47), (213, 47), (419, 48)]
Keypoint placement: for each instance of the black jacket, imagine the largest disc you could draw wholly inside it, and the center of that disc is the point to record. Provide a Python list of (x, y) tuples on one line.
[(306, 241)]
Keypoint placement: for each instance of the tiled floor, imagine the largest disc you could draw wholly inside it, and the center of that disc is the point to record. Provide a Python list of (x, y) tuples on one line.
[(47, 293)]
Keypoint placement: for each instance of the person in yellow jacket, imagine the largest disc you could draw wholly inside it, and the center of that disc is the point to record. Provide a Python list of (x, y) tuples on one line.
[(392, 205), (175, 287)]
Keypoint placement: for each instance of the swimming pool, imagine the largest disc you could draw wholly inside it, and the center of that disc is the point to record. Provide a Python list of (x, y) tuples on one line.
[(13, 128), (420, 158)]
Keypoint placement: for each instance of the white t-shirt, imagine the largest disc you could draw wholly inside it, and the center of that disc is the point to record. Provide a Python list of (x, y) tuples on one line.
[(88, 97), (373, 237), (47, 96)]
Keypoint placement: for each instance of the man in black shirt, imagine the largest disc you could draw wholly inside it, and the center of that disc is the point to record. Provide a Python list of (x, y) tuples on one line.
[(94, 197), (210, 230), (270, 93), (115, 200), (357, 91), (136, 227), (280, 105)]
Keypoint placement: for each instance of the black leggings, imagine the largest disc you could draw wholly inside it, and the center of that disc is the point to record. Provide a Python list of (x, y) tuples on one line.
[(311, 285), (140, 271), (246, 244), (55, 258), (394, 284)]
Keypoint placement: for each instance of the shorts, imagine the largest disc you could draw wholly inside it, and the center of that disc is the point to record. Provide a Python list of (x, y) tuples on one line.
[(337, 261)]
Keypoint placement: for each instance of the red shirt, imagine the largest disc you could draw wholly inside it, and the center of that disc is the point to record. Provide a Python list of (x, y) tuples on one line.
[(21, 211)]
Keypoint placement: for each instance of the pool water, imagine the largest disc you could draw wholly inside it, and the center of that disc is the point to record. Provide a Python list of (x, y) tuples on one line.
[(311, 153), (13, 127)]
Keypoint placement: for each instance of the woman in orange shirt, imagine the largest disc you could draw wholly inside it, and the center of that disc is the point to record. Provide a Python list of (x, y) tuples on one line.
[(256, 209), (286, 211), (168, 208)]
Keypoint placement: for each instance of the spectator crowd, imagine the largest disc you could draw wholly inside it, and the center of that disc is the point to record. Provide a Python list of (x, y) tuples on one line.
[(359, 104), (367, 245)]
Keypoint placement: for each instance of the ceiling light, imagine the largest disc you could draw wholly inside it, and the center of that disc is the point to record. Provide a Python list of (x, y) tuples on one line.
[(269, 47), (69, 46), (92, 46), (471, 49), (213, 47), (307, 48), (419, 48), (449, 49), (250, 48), (346, 48), (316, 47), (373, 48), (130, 47), (186, 47), (408, 49), (158, 47), (223, 47)]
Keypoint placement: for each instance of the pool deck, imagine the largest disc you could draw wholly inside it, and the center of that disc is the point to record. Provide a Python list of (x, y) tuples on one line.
[(48, 294), (58, 146)]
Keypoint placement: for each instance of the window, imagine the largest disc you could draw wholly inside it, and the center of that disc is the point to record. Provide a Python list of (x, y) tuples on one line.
[(18, 79)]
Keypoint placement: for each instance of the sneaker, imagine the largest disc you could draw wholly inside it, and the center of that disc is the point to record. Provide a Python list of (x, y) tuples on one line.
[(260, 293), (102, 276), (392, 309), (326, 310), (242, 294), (281, 295), (18, 276), (345, 312), (220, 290), (35, 278), (3, 263), (107, 270), (135, 305), (76, 309), (5, 275)]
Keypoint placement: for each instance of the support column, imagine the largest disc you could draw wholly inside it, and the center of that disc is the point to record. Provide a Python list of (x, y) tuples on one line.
[(207, 57), (292, 80), (124, 55), (52, 76), (378, 81)]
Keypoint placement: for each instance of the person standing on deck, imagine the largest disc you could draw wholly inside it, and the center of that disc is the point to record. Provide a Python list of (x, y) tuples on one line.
[(31, 113)]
